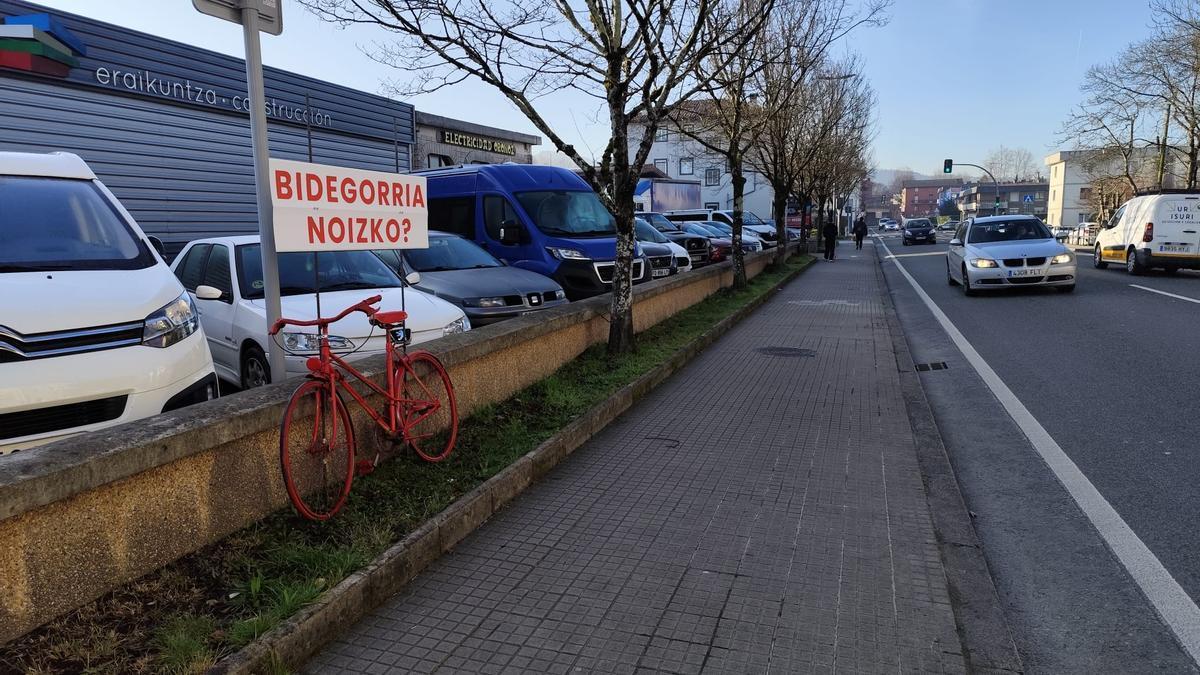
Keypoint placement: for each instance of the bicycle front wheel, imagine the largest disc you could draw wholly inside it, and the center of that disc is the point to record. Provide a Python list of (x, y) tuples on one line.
[(428, 412), (316, 450)]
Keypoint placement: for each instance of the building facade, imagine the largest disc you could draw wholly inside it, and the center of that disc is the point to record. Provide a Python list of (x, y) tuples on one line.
[(677, 156), (166, 125), (984, 199), (442, 141), (919, 198), (1074, 172), (1070, 189)]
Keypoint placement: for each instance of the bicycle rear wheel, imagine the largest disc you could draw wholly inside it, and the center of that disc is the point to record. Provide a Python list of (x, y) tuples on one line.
[(428, 413), (316, 450)]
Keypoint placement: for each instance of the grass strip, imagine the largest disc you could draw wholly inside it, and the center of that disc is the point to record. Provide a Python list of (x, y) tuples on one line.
[(185, 616)]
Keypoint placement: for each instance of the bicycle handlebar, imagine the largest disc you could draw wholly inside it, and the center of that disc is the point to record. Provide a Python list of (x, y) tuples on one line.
[(364, 307)]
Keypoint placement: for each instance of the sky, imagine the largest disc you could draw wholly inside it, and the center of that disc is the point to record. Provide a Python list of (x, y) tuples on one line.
[(954, 78)]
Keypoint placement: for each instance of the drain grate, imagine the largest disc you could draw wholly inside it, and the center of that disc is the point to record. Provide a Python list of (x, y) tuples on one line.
[(787, 352), (936, 365)]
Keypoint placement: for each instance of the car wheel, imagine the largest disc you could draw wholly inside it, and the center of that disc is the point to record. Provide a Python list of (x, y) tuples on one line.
[(950, 277), (1131, 263), (966, 283), (1097, 261), (255, 370), (1066, 289)]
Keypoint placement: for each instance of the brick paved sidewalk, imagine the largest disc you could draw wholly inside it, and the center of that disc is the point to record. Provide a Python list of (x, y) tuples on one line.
[(760, 511)]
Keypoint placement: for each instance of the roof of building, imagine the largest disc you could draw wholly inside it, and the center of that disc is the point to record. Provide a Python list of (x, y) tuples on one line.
[(932, 182), (429, 120)]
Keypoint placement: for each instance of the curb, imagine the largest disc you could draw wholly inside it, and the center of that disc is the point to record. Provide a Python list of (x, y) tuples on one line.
[(983, 630), (292, 642)]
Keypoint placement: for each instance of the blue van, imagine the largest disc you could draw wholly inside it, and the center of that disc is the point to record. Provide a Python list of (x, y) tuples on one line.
[(541, 218)]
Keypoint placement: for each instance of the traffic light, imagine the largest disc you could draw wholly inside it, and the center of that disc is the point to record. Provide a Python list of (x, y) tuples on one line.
[(948, 166)]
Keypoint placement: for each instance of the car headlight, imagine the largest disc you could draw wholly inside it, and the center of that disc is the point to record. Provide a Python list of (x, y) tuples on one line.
[(567, 253), (983, 262), (171, 323), (557, 295), (1061, 258), (485, 302), (459, 325), (311, 342)]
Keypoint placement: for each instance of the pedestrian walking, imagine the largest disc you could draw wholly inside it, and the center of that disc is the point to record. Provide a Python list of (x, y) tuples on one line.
[(860, 231), (830, 232)]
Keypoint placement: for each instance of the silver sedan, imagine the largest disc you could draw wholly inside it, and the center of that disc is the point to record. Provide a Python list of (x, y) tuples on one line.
[(1008, 251)]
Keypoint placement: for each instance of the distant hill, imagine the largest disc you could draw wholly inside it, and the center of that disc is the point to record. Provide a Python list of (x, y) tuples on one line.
[(886, 176)]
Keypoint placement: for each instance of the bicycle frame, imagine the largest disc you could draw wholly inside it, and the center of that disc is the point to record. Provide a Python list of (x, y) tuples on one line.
[(329, 366)]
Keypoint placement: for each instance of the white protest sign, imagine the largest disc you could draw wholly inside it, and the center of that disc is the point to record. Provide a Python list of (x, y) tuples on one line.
[(332, 208)]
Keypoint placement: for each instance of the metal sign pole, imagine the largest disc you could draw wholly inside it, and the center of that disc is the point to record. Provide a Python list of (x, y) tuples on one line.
[(262, 179)]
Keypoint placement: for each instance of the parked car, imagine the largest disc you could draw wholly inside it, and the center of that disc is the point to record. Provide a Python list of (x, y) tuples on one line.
[(697, 247), (1063, 232), (463, 274), (646, 233), (718, 237), (661, 259), (748, 236), (919, 230), (749, 222), (718, 243), (96, 331), (948, 226), (544, 219), (1084, 234), (224, 275), (1007, 251), (1153, 231)]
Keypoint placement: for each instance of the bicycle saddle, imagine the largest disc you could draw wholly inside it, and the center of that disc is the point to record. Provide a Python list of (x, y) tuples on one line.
[(388, 318)]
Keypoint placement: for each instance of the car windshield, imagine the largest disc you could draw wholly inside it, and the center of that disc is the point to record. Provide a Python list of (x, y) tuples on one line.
[(712, 230), (450, 253), (748, 218), (339, 271), (568, 213), (661, 222), (646, 233), (1007, 230), (64, 224), (918, 223), (696, 228)]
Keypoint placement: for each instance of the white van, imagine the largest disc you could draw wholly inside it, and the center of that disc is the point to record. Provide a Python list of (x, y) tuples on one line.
[(95, 330), (1153, 231)]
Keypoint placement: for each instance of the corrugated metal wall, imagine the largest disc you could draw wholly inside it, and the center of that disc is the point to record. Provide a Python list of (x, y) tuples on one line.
[(184, 169)]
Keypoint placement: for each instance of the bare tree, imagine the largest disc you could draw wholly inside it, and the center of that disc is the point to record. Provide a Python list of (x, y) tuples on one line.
[(1013, 164), (639, 58)]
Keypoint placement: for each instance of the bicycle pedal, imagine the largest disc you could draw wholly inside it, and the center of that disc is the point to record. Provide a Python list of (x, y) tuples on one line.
[(363, 467)]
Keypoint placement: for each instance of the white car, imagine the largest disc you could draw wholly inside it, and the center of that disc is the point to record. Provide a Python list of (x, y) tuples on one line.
[(94, 328), (891, 226), (683, 262), (1153, 231), (224, 275), (1005, 252)]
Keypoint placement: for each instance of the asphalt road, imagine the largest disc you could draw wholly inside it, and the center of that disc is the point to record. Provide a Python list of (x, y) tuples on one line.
[(1109, 372)]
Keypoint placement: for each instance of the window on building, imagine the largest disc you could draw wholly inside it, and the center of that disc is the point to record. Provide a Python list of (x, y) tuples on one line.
[(433, 161), (689, 128), (1085, 194), (662, 135), (712, 176), (712, 205), (1039, 196), (454, 214), (685, 166), (663, 166)]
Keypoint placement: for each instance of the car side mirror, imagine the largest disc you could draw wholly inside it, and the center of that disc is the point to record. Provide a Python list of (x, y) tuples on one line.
[(157, 244), (208, 293), (510, 233), (413, 278), (956, 242)]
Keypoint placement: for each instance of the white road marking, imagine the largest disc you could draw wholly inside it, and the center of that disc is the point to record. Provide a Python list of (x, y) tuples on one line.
[(913, 255), (1172, 603), (1169, 295)]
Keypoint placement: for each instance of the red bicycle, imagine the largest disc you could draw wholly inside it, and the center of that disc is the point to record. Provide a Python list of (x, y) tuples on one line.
[(316, 435)]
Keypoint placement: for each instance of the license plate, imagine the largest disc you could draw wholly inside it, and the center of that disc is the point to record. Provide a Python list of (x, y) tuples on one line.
[(1031, 272), (1167, 248), (696, 257), (659, 273)]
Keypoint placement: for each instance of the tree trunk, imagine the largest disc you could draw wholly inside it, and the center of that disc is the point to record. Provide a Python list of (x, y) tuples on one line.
[(779, 213), (739, 199), (623, 185)]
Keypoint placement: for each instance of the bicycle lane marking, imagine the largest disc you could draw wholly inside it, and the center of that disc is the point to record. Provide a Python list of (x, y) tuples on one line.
[(1170, 601)]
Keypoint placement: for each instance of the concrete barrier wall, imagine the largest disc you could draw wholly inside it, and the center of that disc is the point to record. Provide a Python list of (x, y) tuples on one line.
[(87, 514)]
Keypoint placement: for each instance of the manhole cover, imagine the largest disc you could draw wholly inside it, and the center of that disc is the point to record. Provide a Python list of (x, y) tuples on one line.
[(936, 365), (792, 352)]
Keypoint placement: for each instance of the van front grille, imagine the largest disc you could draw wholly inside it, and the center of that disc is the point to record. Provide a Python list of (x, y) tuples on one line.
[(15, 346), (60, 417)]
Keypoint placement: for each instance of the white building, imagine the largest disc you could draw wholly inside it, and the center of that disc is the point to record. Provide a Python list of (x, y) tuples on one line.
[(678, 156), (1070, 188)]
